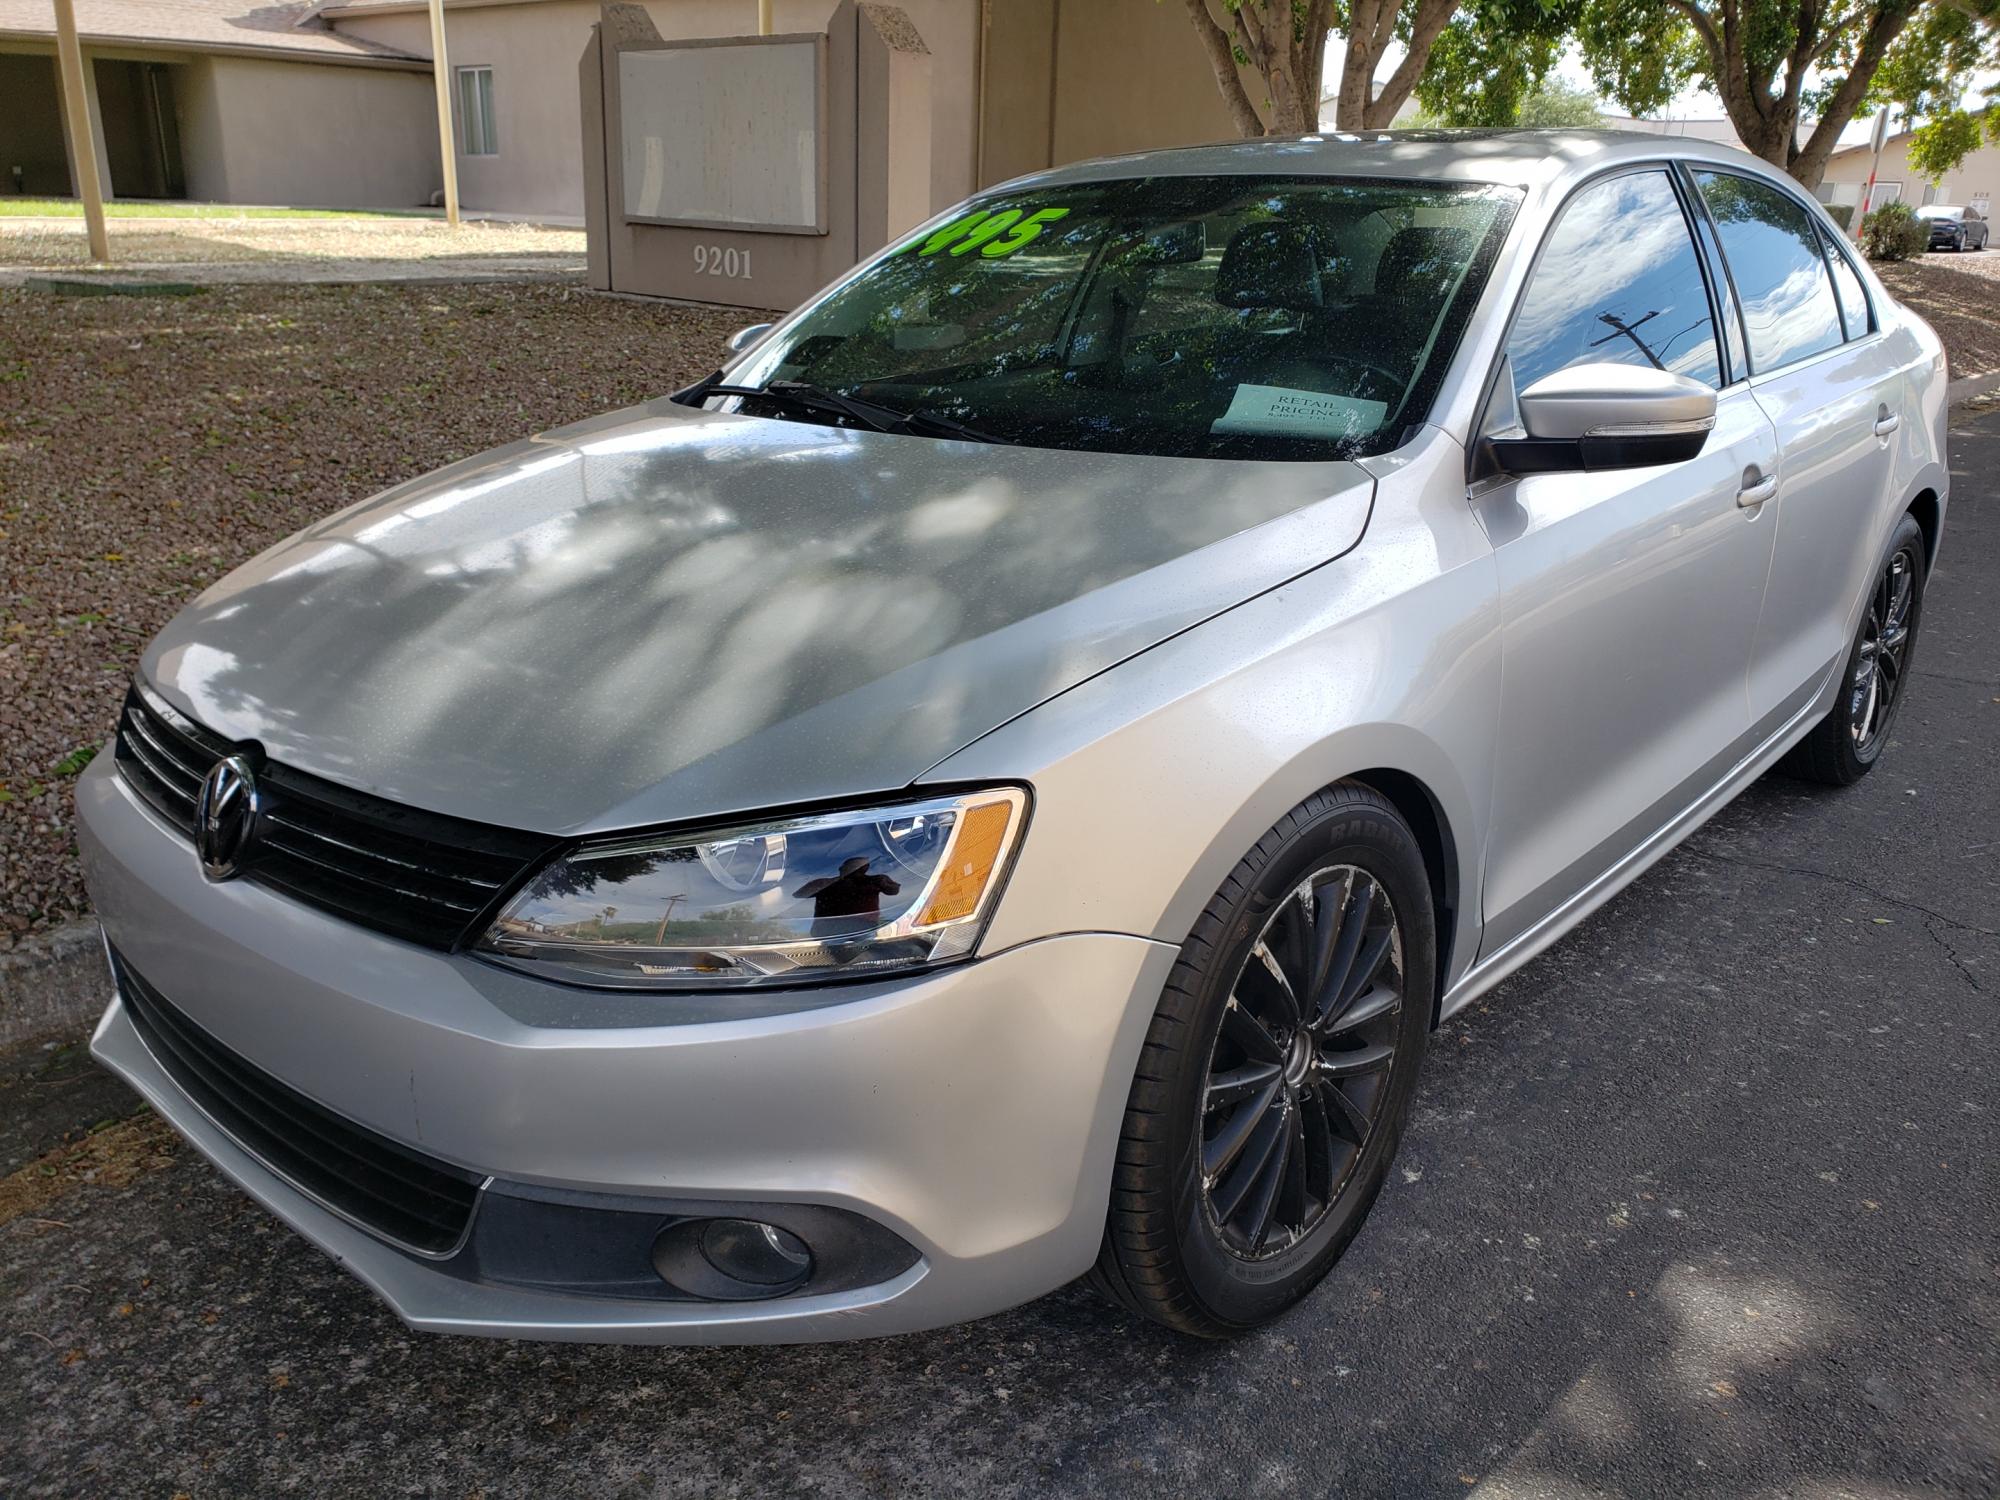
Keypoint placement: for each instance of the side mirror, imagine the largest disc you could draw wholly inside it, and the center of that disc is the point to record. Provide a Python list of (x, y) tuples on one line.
[(743, 338), (1606, 416)]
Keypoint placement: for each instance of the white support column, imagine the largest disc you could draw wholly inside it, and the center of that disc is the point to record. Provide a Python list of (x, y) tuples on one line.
[(82, 138), (447, 148)]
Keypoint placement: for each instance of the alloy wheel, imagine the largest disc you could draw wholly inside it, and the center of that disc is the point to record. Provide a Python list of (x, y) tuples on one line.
[(1299, 1071), (1884, 653)]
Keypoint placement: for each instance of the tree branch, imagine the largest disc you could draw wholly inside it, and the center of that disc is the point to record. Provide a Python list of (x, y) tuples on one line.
[(1215, 42), (1425, 28), (1704, 27), (1809, 161)]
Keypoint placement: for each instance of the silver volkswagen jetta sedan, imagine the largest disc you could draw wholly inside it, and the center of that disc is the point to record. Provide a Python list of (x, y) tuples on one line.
[(1000, 782)]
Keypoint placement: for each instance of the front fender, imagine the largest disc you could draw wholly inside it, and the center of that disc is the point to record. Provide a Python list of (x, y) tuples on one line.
[(1152, 780)]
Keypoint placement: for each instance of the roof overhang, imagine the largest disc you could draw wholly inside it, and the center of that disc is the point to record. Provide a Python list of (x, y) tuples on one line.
[(396, 61)]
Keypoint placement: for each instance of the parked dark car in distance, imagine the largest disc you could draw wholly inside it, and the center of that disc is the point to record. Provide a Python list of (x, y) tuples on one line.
[(1954, 228)]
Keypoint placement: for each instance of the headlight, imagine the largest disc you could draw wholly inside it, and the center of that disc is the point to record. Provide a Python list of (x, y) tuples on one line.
[(833, 896)]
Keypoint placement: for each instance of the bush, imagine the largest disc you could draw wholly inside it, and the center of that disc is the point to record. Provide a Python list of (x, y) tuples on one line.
[(1894, 232), (1841, 214)]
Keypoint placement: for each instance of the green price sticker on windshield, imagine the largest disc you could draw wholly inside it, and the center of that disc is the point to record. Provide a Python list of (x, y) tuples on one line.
[(993, 234)]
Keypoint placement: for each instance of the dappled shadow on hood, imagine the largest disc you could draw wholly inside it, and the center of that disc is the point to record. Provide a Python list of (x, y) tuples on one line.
[(545, 632)]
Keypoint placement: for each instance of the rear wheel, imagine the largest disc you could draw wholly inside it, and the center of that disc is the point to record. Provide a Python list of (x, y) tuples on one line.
[(1278, 1072), (1845, 745)]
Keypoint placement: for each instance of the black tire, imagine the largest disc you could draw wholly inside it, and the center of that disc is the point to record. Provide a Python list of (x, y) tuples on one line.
[(1842, 748), (1169, 1252)]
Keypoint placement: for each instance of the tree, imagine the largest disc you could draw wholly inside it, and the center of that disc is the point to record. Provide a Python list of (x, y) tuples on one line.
[(1942, 142), (1772, 63), (1493, 58), (1555, 105), (1283, 44), (1927, 75)]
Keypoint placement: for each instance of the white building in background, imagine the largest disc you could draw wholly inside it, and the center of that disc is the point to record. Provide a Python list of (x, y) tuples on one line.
[(1700, 130), (1974, 181)]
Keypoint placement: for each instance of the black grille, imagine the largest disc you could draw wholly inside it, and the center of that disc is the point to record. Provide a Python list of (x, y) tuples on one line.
[(403, 1195), (415, 875)]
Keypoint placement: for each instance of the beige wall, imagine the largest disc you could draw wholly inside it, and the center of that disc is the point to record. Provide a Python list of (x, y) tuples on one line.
[(1975, 178), (1071, 79), (533, 50), (254, 131)]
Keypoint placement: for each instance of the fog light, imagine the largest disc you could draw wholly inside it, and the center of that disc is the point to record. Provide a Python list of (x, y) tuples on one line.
[(731, 1260), (761, 1254)]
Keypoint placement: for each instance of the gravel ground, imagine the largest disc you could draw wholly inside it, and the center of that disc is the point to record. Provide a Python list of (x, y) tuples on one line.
[(1960, 296), (50, 243), (149, 445)]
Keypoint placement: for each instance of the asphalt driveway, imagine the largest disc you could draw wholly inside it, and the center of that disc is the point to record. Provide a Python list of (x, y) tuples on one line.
[(1703, 1202)]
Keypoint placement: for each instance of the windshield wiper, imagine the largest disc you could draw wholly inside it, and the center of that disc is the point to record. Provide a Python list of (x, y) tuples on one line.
[(870, 414), (951, 427)]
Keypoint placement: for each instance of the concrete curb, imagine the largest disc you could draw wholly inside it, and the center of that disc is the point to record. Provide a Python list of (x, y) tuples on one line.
[(52, 982), (1971, 386)]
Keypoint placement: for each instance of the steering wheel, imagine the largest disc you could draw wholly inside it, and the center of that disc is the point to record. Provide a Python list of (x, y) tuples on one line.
[(1376, 382)]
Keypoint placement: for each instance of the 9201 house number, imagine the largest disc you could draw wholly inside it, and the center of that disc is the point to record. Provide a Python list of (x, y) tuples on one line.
[(713, 260)]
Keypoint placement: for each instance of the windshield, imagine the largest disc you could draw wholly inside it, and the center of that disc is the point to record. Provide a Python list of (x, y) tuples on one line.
[(1226, 317)]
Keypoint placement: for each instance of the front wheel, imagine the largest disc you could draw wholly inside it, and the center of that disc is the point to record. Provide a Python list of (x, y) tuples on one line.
[(1844, 746), (1278, 1072)]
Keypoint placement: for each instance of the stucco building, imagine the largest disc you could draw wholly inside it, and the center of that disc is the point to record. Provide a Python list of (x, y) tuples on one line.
[(221, 101), (1976, 180), (331, 105)]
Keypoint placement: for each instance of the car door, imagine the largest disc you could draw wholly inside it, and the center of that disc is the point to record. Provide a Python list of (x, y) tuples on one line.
[(1630, 596), (1832, 387)]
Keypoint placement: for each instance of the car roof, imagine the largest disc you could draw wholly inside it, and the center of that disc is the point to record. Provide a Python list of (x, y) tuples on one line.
[(1511, 157)]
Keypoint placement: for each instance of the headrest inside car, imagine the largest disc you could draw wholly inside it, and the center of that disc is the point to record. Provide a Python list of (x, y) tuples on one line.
[(1421, 254), (1270, 265)]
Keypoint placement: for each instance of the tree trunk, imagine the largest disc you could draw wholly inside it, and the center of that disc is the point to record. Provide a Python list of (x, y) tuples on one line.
[(1222, 61), (1765, 110), (1808, 165)]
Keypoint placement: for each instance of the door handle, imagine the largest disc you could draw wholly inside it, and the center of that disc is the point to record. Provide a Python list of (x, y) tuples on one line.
[(1887, 424), (1756, 494)]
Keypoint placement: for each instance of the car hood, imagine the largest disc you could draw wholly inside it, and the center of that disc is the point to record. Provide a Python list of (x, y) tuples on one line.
[(669, 613)]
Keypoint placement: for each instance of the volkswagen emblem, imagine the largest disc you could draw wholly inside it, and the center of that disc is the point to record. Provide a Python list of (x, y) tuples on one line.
[(225, 817)]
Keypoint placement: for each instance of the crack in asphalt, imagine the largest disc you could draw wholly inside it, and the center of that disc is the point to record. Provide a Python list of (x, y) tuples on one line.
[(1779, 868), (1978, 682), (1951, 954)]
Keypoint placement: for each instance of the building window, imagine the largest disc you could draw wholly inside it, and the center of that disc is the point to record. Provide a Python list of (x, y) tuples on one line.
[(475, 110)]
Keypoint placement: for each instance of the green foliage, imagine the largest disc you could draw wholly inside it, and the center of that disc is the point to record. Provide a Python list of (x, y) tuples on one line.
[(1928, 70), (1941, 143), (1491, 58), (1556, 105), (1894, 232), (1641, 55)]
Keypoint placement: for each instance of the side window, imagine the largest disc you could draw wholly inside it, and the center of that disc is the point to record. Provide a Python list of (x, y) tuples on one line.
[(1775, 260), (1617, 281), (1732, 320), (1847, 285)]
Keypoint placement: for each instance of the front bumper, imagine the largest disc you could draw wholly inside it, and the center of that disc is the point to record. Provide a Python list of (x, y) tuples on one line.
[(973, 1112)]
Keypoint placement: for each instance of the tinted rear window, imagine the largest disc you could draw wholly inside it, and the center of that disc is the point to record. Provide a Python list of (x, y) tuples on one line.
[(1774, 258)]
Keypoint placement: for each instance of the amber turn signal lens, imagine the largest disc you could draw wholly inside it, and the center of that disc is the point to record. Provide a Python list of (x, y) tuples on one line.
[(975, 855)]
